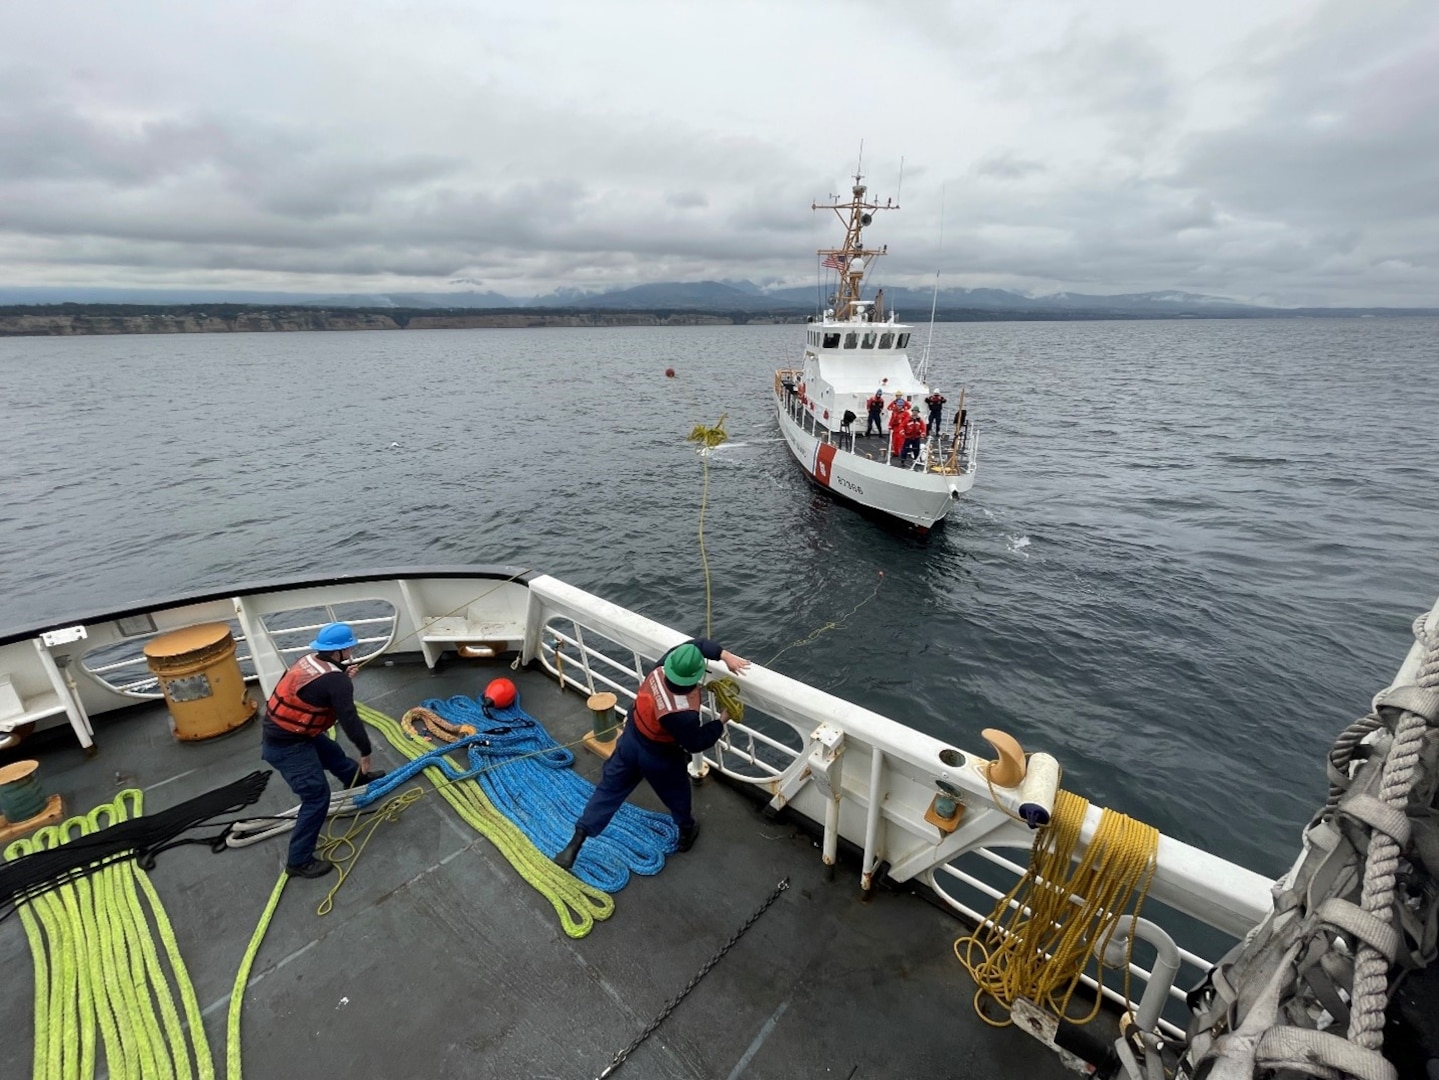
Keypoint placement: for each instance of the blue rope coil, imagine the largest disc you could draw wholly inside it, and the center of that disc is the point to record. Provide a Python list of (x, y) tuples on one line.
[(539, 791)]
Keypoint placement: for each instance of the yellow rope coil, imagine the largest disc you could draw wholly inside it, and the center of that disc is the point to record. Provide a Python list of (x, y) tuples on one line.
[(726, 695), (1040, 938), (710, 436)]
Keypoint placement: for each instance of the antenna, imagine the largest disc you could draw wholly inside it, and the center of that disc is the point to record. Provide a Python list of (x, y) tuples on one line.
[(934, 301), (900, 190), (859, 168)]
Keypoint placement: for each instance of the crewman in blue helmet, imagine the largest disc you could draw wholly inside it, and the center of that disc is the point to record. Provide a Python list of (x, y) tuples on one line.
[(664, 728), (311, 697)]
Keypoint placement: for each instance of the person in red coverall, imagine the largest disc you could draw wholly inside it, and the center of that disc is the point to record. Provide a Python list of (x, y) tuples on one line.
[(896, 437), (896, 408)]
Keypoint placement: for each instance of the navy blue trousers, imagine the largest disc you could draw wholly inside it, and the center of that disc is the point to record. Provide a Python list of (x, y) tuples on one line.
[(873, 425), (637, 758), (303, 765)]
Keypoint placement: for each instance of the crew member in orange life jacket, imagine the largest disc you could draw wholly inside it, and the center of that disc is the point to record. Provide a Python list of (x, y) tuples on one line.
[(664, 728), (913, 436), (310, 698), (935, 401)]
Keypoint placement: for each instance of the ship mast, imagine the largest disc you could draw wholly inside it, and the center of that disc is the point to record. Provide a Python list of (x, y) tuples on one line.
[(852, 259)]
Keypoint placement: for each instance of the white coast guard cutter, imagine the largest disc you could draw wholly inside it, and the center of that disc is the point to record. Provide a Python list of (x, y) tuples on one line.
[(854, 350)]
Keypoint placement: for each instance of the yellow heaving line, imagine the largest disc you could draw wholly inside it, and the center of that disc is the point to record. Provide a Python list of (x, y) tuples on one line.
[(1038, 940)]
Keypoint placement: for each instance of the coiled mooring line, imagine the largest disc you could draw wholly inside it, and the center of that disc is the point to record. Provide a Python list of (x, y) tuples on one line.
[(1038, 941)]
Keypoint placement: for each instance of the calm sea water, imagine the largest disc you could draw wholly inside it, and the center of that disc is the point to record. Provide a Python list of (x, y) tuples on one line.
[(1192, 554)]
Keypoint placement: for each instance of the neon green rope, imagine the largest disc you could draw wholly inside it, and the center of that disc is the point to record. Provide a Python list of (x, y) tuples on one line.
[(233, 1070), (97, 968)]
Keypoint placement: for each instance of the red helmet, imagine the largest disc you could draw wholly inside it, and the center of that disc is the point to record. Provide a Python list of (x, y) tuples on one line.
[(500, 694)]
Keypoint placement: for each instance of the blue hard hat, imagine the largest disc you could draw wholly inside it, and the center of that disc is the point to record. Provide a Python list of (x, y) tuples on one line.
[(334, 637)]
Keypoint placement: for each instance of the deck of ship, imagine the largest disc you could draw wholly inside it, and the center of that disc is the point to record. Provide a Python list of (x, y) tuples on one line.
[(438, 960)]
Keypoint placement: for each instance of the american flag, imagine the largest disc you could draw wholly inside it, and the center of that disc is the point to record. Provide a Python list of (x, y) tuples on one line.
[(835, 262)]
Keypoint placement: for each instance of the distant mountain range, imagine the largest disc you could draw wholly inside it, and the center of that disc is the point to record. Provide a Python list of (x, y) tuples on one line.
[(725, 297)]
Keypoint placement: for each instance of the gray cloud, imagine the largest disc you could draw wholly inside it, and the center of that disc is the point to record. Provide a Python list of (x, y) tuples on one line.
[(1296, 158)]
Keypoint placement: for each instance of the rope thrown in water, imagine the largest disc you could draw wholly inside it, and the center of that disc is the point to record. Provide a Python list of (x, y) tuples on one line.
[(708, 438)]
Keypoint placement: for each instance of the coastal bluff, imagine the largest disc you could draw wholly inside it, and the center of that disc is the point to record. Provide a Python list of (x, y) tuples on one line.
[(56, 322)]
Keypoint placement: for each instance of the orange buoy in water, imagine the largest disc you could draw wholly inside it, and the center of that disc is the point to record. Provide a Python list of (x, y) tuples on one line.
[(669, 373)]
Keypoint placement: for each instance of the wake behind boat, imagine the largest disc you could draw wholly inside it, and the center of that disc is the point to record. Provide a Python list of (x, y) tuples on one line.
[(856, 365)]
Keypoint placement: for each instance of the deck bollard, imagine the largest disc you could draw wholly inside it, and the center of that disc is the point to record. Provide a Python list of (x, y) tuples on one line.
[(600, 739), (24, 807)]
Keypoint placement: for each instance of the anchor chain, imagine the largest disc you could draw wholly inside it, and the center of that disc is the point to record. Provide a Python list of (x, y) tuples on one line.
[(673, 1003)]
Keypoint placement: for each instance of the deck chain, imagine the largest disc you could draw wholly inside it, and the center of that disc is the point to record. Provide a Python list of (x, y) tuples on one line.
[(673, 1003)]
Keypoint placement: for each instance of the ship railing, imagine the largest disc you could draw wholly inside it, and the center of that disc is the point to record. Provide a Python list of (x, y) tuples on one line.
[(841, 439), (868, 781), (123, 668)]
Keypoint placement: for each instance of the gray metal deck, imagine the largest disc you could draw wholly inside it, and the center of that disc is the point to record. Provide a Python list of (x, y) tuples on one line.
[(439, 961)]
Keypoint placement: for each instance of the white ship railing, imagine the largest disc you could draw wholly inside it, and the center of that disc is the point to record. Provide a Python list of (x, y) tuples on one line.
[(795, 751)]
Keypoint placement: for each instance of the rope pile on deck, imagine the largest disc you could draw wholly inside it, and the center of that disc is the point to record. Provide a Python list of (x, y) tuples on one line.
[(527, 777), (98, 971), (579, 904)]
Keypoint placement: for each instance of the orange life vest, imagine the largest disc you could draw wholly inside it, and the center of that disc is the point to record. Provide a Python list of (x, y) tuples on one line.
[(285, 706), (655, 701)]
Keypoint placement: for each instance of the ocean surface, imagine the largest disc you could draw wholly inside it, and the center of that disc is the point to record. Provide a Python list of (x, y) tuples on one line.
[(1192, 554)]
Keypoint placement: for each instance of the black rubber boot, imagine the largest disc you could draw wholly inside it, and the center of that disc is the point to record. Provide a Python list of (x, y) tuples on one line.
[(314, 868), (566, 858), (688, 837), (370, 777)]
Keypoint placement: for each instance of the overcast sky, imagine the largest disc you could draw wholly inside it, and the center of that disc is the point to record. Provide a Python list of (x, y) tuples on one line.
[(1276, 151)]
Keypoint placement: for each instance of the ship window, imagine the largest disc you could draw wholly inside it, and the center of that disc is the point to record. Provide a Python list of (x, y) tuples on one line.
[(886, 340), (850, 340), (903, 341), (831, 341), (868, 342)]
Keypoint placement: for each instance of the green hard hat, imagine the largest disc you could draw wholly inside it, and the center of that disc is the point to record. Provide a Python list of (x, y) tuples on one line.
[(685, 666)]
